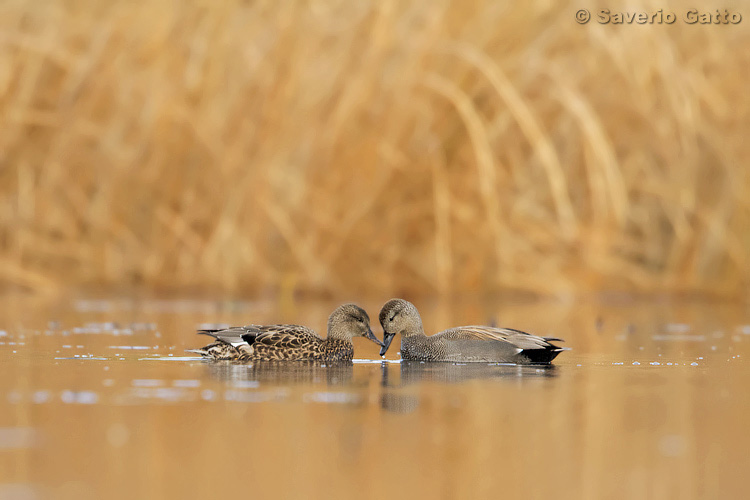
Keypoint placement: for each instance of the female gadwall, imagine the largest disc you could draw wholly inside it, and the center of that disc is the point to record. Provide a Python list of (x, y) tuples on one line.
[(464, 343), (291, 342)]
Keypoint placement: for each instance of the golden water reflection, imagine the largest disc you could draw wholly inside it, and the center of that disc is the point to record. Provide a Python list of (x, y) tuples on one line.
[(99, 400)]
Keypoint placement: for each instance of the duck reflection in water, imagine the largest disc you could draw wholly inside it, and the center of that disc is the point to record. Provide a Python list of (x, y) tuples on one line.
[(414, 372), (285, 373), (395, 378)]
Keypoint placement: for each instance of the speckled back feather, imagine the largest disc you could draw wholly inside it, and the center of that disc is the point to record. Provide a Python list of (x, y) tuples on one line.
[(274, 343)]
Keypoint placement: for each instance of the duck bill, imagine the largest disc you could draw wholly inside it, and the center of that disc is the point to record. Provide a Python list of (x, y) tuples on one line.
[(371, 336), (387, 339)]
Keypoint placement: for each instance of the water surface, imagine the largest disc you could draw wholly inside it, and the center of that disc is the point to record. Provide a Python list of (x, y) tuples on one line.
[(99, 400)]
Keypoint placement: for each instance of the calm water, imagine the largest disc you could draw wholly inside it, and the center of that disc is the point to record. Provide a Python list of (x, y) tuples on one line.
[(99, 400)]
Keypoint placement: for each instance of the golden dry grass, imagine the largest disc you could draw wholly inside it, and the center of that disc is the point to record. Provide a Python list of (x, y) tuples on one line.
[(370, 146)]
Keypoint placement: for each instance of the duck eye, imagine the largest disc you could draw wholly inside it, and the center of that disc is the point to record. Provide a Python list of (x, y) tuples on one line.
[(392, 318)]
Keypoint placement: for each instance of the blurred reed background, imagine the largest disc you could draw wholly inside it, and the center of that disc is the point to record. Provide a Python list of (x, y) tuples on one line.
[(384, 147)]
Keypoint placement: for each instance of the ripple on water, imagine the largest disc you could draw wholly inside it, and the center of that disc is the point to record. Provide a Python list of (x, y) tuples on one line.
[(679, 338), (169, 357), (79, 397), (17, 437), (40, 397), (245, 384), (375, 361), (80, 357), (677, 327), (254, 397), (167, 394), (186, 383), (19, 491), (331, 397), (147, 382)]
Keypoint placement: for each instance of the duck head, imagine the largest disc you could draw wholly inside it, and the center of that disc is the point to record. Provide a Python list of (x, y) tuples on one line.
[(348, 321), (398, 316)]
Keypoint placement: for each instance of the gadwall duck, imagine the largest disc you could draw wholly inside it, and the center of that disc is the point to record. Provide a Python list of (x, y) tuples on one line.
[(291, 342), (461, 344)]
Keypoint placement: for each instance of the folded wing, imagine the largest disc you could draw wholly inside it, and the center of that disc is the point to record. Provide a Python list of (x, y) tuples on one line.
[(520, 340)]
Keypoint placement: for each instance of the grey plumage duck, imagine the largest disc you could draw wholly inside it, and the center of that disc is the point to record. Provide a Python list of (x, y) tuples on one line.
[(291, 342), (463, 343)]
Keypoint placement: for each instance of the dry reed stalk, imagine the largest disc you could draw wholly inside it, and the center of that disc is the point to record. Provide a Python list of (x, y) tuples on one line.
[(370, 147)]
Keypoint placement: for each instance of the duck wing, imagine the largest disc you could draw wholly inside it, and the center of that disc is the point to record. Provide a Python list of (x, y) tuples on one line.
[(485, 343), (283, 336), (518, 339), (236, 335)]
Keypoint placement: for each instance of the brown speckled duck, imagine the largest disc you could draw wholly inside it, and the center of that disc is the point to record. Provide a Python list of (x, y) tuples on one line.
[(463, 343), (291, 342)]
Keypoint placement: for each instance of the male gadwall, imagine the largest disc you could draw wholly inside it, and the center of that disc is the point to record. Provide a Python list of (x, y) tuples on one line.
[(461, 344), (291, 342)]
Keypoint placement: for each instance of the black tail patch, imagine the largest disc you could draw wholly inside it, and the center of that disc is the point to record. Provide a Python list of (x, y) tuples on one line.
[(542, 355)]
